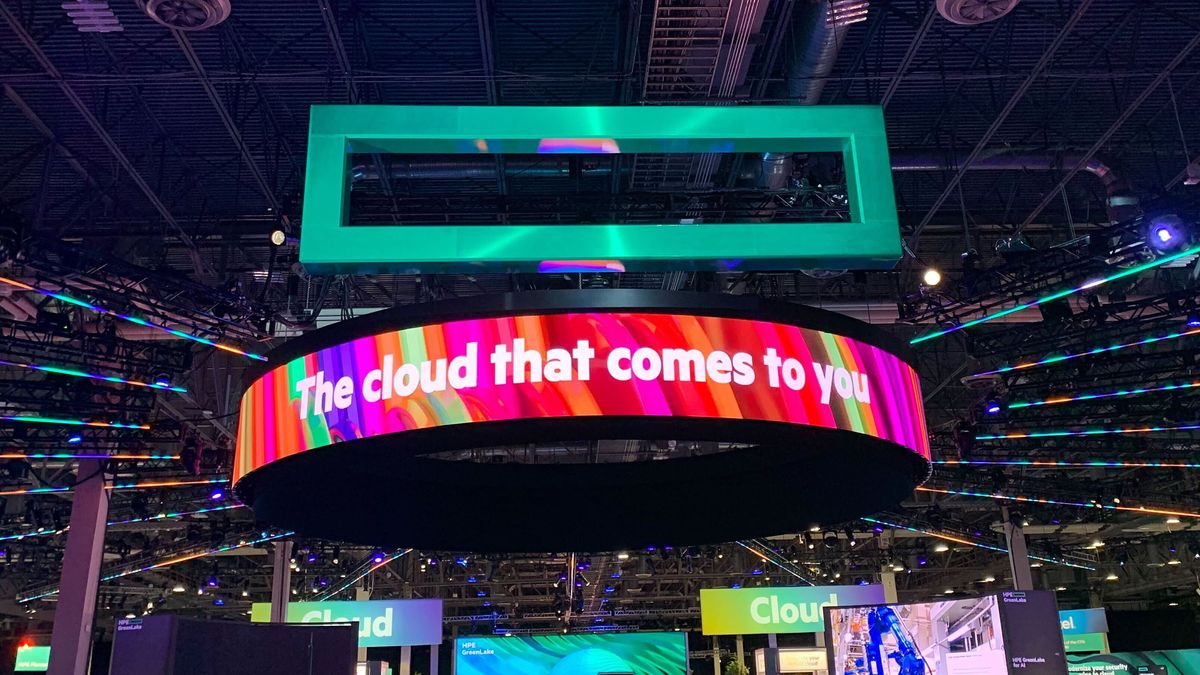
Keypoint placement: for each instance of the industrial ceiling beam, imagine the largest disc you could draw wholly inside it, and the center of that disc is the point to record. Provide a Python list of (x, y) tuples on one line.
[(226, 119), (1017, 96), (906, 62), (30, 43), (1052, 194)]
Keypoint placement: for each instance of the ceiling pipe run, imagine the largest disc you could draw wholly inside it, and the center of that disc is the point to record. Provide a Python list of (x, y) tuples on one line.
[(1122, 203)]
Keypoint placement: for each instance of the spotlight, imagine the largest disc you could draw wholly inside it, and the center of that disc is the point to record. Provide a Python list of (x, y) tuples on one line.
[(1193, 319), (378, 557), (217, 495), (278, 237), (931, 277), (76, 438), (1167, 233), (831, 540), (162, 380), (940, 548), (212, 582), (993, 405)]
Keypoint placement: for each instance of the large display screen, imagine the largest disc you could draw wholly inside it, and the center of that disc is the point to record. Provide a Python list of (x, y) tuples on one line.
[(573, 654), (573, 365), (1013, 632)]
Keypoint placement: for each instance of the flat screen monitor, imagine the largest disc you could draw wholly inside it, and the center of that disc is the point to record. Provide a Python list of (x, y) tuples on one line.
[(573, 654), (1015, 632)]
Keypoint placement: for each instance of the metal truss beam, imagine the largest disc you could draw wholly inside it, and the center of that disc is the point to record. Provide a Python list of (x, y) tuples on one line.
[(231, 126), (1033, 76), (201, 268)]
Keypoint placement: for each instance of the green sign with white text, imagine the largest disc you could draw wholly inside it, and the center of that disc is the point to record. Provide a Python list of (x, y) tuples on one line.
[(32, 659), (785, 609), (1086, 642)]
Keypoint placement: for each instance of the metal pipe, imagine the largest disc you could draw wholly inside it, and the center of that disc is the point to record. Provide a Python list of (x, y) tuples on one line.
[(815, 46)]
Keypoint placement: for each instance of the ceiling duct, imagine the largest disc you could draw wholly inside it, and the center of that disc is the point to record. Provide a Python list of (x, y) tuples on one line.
[(1121, 201), (816, 40), (188, 15), (974, 12)]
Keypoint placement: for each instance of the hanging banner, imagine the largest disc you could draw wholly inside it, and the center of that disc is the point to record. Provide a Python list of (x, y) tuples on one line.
[(381, 623), (790, 609)]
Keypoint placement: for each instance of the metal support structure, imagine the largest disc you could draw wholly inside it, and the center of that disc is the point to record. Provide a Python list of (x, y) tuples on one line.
[(716, 652), (741, 650), (771, 655), (1018, 552), (1116, 125), (405, 667), (230, 125), (887, 578), (361, 594), (906, 62), (71, 639), (281, 580), (52, 71), (1017, 96), (433, 659)]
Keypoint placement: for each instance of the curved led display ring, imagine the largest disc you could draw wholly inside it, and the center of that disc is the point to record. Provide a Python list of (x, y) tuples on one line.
[(349, 432)]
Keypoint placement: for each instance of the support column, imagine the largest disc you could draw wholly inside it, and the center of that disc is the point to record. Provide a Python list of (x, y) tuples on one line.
[(405, 667), (741, 650), (1018, 552), (433, 659), (281, 580), (71, 639), (887, 578), (716, 647), (362, 593), (771, 654)]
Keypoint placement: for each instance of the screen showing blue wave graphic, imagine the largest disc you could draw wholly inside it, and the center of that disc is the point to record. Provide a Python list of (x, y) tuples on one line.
[(573, 654)]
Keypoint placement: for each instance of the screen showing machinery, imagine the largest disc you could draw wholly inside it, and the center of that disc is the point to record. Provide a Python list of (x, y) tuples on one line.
[(573, 654), (963, 636)]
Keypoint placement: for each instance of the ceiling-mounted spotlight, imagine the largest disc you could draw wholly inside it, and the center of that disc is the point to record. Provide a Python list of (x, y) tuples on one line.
[(931, 277), (1167, 233), (279, 237), (1193, 319), (993, 404), (831, 539)]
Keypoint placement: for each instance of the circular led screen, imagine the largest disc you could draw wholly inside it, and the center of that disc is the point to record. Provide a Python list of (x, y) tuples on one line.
[(391, 389)]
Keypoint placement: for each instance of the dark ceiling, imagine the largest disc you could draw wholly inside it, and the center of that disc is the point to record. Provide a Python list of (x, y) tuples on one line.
[(168, 157)]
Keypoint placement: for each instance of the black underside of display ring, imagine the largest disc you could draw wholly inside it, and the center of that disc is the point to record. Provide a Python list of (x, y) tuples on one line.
[(377, 491)]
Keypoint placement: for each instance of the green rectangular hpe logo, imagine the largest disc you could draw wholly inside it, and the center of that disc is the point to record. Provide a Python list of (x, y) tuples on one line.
[(869, 239)]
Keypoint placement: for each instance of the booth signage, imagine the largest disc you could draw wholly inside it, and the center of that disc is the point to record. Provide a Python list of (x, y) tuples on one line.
[(1086, 642), (32, 659), (795, 660), (1079, 621), (576, 365), (791, 609), (381, 623), (333, 242)]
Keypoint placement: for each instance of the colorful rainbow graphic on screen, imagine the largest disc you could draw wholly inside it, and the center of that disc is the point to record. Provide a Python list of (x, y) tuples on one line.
[(884, 398)]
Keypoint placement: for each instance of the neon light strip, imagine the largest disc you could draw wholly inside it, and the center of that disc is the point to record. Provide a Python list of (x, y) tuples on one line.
[(1056, 502), (172, 561), (67, 455), (976, 544), (1092, 352), (58, 370), (355, 579), (121, 486), (1089, 432), (1096, 464), (1107, 394), (1060, 294), (74, 423), (132, 319), (44, 532)]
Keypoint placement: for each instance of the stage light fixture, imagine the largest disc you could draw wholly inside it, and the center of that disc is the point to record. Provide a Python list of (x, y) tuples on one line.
[(1108, 394), (1054, 463), (132, 319), (32, 419), (1058, 502), (1137, 269), (217, 495), (1193, 319), (1091, 352), (942, 547), (278, 237), (1086, 432), (74, 439), (931, 277), (1167, 233), (993, 405)]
